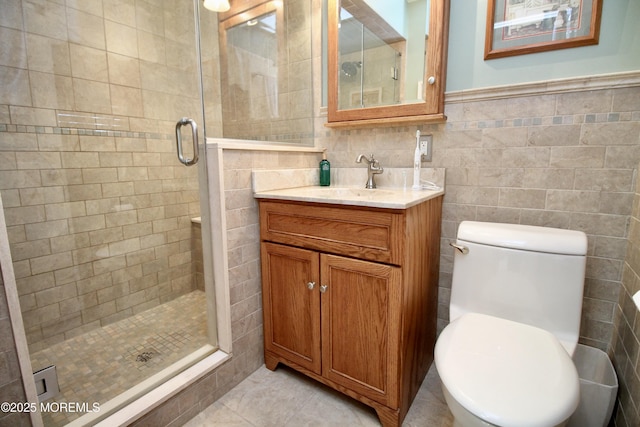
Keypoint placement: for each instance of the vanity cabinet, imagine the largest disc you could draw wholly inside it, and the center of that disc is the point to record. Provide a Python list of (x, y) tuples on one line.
[(350, 296)]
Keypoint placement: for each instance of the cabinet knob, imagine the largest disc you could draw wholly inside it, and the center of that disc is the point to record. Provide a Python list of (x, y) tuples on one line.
[(323, 288), (311, 285)]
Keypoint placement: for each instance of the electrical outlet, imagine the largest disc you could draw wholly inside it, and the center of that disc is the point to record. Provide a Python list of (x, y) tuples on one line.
[(426, 143)]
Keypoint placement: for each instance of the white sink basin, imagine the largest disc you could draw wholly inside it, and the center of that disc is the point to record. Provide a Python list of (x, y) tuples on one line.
[(391, 198)]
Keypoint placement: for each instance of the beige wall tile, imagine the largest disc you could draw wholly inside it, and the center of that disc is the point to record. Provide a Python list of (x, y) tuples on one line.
[(107, 235), (16, 84), (41, 315), (86, 223), (522, 198), (74, 193), (32, 116), (53, 177), (122, 11), (151, 48), (121, 39), (123, 70), (584, 102), (109, 264), (121, 218), (11, 16), (115, 159), (69, 242), (45, 18), (48, 55), (28, 250), (65, 210), (124, 246), (118, 189), (626, 99), (56, 142), (575, 201), (92, 96), (38, 160), (88, 63), (615, 133), (93, 7), (98, 312), (55, 295), (99, 175), (77, 304), (85, 28), (126, 101), (13, 51), (24, 215), (19, 179), (577, 157), (77, 160), (18, 142), (150, 17), (554, 135), (605, 179), (43, 230), (51, 262), (41, 195)]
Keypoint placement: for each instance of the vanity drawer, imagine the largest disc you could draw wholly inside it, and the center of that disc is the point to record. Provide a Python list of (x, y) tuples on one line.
[(365, 233)]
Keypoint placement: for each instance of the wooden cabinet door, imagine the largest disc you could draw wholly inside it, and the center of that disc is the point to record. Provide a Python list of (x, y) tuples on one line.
[(360, 326), (291, 308)]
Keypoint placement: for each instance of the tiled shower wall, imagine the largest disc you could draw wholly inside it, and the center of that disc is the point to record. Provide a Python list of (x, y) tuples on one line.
[(97, 206), (626, 339)]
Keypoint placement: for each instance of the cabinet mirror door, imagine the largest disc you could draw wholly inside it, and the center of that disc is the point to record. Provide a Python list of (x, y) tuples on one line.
[(386, 61)]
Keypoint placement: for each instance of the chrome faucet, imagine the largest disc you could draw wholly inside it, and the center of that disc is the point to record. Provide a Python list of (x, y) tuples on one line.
[(373, 168)]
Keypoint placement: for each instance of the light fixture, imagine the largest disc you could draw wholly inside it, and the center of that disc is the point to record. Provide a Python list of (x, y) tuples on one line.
[(217, 5)]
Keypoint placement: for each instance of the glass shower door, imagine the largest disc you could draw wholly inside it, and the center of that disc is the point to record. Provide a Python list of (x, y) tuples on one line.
[(103, 220)]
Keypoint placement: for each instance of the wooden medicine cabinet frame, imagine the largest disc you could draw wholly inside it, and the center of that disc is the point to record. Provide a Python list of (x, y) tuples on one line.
[(429, 111)]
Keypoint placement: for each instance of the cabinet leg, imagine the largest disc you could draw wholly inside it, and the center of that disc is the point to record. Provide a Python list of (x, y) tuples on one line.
[(388, 417), (270, 362)]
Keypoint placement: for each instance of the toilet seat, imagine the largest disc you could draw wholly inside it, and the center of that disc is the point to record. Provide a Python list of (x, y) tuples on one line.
[(507, 373)]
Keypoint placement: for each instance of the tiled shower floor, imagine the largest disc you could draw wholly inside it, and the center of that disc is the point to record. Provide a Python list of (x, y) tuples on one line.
[(100, 364)]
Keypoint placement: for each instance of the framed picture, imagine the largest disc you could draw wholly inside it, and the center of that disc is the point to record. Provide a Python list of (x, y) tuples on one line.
[(518, 27)]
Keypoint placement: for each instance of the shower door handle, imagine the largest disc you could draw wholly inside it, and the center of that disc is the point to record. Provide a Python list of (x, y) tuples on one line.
[(194, 131)]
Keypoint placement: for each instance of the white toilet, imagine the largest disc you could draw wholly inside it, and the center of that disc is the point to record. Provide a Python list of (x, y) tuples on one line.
[(516, 300)]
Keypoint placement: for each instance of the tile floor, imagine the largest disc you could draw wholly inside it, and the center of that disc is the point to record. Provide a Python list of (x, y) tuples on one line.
[(98, 365), (285, 398)]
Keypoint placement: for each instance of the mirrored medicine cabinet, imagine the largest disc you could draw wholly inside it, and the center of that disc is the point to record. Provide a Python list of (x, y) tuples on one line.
[(386, 61)]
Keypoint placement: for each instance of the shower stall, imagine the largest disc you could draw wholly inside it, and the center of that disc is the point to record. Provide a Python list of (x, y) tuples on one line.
[(103, 220)]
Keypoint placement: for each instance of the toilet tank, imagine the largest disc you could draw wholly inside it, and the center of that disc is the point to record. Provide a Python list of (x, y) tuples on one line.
[(533, 275)]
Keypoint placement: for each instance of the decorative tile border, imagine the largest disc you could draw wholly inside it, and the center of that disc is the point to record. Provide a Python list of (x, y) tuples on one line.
[(54, 130)]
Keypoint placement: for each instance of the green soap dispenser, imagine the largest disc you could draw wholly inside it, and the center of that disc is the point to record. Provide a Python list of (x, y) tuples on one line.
[(325, 170)]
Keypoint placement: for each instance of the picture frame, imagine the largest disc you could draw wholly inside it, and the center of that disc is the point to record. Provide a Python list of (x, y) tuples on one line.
[(519, 27)]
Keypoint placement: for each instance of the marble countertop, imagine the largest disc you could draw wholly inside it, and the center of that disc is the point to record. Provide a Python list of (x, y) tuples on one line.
[(389, 198)]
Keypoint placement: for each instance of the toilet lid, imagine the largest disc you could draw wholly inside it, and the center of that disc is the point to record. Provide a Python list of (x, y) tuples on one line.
[(507, 373)]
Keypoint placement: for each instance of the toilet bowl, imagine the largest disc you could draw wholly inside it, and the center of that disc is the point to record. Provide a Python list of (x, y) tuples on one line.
[(516, 298), (506, 373)]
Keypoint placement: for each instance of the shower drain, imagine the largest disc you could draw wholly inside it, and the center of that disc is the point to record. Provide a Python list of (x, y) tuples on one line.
[(145, 356)]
